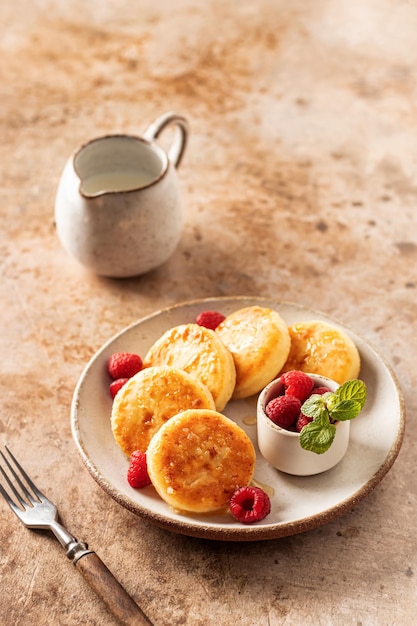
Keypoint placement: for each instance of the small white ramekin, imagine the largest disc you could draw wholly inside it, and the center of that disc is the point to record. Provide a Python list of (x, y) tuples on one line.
[(281, 447)]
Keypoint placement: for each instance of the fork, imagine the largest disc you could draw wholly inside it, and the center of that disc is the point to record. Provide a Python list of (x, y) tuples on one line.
[(36, 511)]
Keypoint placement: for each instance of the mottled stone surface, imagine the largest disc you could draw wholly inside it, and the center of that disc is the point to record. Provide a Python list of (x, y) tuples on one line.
[(300, 182)]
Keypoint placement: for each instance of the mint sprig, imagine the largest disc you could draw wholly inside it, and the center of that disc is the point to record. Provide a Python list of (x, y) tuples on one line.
[(343, 404)]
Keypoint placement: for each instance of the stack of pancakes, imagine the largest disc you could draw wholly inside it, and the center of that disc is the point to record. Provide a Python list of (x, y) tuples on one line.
[(171, 409)]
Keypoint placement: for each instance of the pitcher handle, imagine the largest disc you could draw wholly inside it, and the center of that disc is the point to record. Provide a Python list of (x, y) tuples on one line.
[(180, 139)]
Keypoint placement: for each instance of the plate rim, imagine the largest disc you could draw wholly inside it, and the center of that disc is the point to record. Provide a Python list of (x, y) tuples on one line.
[(246, 532)]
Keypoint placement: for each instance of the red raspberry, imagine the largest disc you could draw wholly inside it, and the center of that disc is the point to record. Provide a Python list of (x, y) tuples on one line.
[(249, 505), (209, 319), (137, 474), (320, 390), (117, 384), (302, 421), (124, 365), (283, 411), (297, 384)]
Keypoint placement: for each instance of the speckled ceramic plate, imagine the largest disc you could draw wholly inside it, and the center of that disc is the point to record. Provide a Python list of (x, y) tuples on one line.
[(298, 503)]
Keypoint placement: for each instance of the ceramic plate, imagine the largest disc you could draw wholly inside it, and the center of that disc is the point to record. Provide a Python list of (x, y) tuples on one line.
[(298, 503)]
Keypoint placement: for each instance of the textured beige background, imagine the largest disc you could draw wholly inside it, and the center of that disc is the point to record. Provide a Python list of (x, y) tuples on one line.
[(300, 182)]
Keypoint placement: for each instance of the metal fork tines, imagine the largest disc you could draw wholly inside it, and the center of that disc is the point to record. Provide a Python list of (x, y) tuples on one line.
[(35, 510)]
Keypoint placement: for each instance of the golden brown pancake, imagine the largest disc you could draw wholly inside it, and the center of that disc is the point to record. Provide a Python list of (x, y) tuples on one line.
[(259, 341), (198, 459), (198, 351), (320, 348), (149, 399)]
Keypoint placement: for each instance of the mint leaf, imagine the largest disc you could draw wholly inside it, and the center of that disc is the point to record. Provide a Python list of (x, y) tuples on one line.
[(314, 406), (317, 437), (345, 410), (343, 404), (351, 390), (347, 401)]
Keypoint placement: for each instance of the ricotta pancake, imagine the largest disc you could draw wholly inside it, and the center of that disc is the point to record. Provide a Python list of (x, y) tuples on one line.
[(259, 342), (200, 352), (149, 399), (198, 459), (319, 348)]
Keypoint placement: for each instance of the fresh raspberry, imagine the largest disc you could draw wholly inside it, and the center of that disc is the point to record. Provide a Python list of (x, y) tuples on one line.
[(283, 411), (297, 384), (124, 365), (320, 391), (117, 384), (249, 505), (137, 474), (302, 421), (209, 319)]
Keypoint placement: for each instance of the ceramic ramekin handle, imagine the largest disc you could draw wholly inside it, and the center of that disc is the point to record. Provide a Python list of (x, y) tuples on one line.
[(179, 142)]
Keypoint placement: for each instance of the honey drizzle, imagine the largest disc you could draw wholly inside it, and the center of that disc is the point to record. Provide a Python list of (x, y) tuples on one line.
[(269, 490), (249, 420)]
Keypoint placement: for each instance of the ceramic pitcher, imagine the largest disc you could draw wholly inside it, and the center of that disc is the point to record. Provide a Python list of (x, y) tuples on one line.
[(118, 208)]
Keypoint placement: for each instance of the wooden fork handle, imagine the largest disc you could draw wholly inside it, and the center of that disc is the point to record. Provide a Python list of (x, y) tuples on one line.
[(100, 578)]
